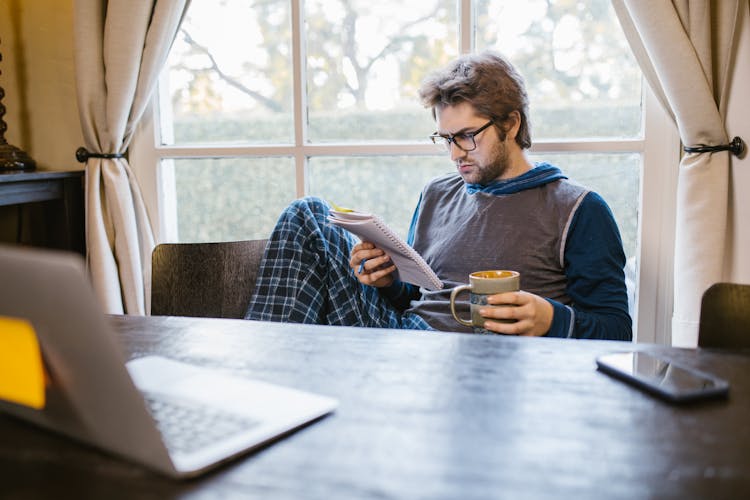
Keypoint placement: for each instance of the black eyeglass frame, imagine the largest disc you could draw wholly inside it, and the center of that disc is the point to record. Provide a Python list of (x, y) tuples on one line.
[(451, 139)]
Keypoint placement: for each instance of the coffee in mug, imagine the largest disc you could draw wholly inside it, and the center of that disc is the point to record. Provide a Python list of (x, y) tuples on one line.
[(481, 285)]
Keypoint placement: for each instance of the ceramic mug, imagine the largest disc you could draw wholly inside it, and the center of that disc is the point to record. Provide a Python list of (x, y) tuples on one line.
[(482, 284)]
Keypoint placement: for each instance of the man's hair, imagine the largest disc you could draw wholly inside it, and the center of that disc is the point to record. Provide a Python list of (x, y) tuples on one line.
[(488, 82)]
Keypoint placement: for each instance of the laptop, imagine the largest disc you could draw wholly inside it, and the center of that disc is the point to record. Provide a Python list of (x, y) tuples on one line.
[(130, 409)]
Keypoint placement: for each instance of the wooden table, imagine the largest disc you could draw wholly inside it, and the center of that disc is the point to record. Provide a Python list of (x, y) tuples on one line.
[(52, 204), (424, 415)]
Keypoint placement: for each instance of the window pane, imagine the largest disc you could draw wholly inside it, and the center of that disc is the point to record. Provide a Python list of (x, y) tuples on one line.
[(387, 186), (365, 62), (582, 79), (231, 198), (229, 75)]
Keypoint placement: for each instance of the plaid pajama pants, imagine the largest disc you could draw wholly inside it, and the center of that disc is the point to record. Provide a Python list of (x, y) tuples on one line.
[(305, 277)]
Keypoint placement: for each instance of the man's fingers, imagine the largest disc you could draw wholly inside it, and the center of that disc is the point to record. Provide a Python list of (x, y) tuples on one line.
[(381, 273), (371, 264), (359, 254)]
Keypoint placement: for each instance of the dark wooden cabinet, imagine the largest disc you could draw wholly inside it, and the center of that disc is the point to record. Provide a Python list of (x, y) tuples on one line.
[(43, 208)]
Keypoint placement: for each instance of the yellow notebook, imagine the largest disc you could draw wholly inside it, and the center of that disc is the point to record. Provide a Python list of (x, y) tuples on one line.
[(21, 368)]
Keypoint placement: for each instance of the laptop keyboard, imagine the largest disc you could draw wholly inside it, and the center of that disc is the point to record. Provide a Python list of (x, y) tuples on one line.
[(188, 427)]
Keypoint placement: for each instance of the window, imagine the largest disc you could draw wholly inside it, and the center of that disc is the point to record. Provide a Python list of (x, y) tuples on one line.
[(265, 101)]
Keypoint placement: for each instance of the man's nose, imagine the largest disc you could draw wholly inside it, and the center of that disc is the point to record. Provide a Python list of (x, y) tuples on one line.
[(456, 152)]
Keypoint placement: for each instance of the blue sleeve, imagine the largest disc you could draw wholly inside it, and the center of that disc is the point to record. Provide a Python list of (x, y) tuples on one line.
[(594, 266), (400, 294)]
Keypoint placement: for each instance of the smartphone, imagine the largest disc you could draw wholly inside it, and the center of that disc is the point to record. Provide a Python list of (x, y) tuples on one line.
[(672, 382)]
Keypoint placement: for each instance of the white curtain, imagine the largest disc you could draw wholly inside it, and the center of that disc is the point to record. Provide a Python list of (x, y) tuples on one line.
[(685, 48), (120, 47)]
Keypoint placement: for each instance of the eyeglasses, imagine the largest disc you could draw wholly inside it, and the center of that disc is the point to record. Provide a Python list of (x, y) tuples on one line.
[(463, 141)]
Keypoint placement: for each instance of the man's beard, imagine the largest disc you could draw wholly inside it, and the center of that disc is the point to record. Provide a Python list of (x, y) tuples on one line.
[(487, 173)]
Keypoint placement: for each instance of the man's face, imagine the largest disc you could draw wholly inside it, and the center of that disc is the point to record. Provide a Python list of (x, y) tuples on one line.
[(486, 163)]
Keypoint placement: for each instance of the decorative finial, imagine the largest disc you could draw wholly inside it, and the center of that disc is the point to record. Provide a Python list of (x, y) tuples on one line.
[(11, 158)]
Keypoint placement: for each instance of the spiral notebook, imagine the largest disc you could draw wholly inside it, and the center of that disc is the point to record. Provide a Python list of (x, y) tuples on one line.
[(410, 266)]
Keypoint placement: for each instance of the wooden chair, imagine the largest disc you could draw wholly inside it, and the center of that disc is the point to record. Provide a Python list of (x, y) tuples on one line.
[(204, 279), (725, 317)]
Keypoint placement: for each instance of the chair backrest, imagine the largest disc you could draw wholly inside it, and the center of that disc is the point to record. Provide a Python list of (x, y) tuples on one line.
[(204, 279), (725, 317)]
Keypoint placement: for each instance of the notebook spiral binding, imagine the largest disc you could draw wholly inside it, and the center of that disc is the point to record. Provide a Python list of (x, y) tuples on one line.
[(408, 251)]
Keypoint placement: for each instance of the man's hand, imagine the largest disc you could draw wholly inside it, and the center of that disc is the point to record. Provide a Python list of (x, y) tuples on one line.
[(532, 313), (371, 265)]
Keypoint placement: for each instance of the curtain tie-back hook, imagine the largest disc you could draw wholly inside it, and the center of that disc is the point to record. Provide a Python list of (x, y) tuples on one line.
[(83, 154), (736, 147)]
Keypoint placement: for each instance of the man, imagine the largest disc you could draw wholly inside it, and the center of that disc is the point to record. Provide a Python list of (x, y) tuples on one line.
[(499, 211)]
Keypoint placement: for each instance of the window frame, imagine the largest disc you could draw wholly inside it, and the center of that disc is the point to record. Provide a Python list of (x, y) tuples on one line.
[(658, 147)]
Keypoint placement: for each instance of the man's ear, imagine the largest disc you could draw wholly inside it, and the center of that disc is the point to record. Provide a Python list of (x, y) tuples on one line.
[(512, 124)]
